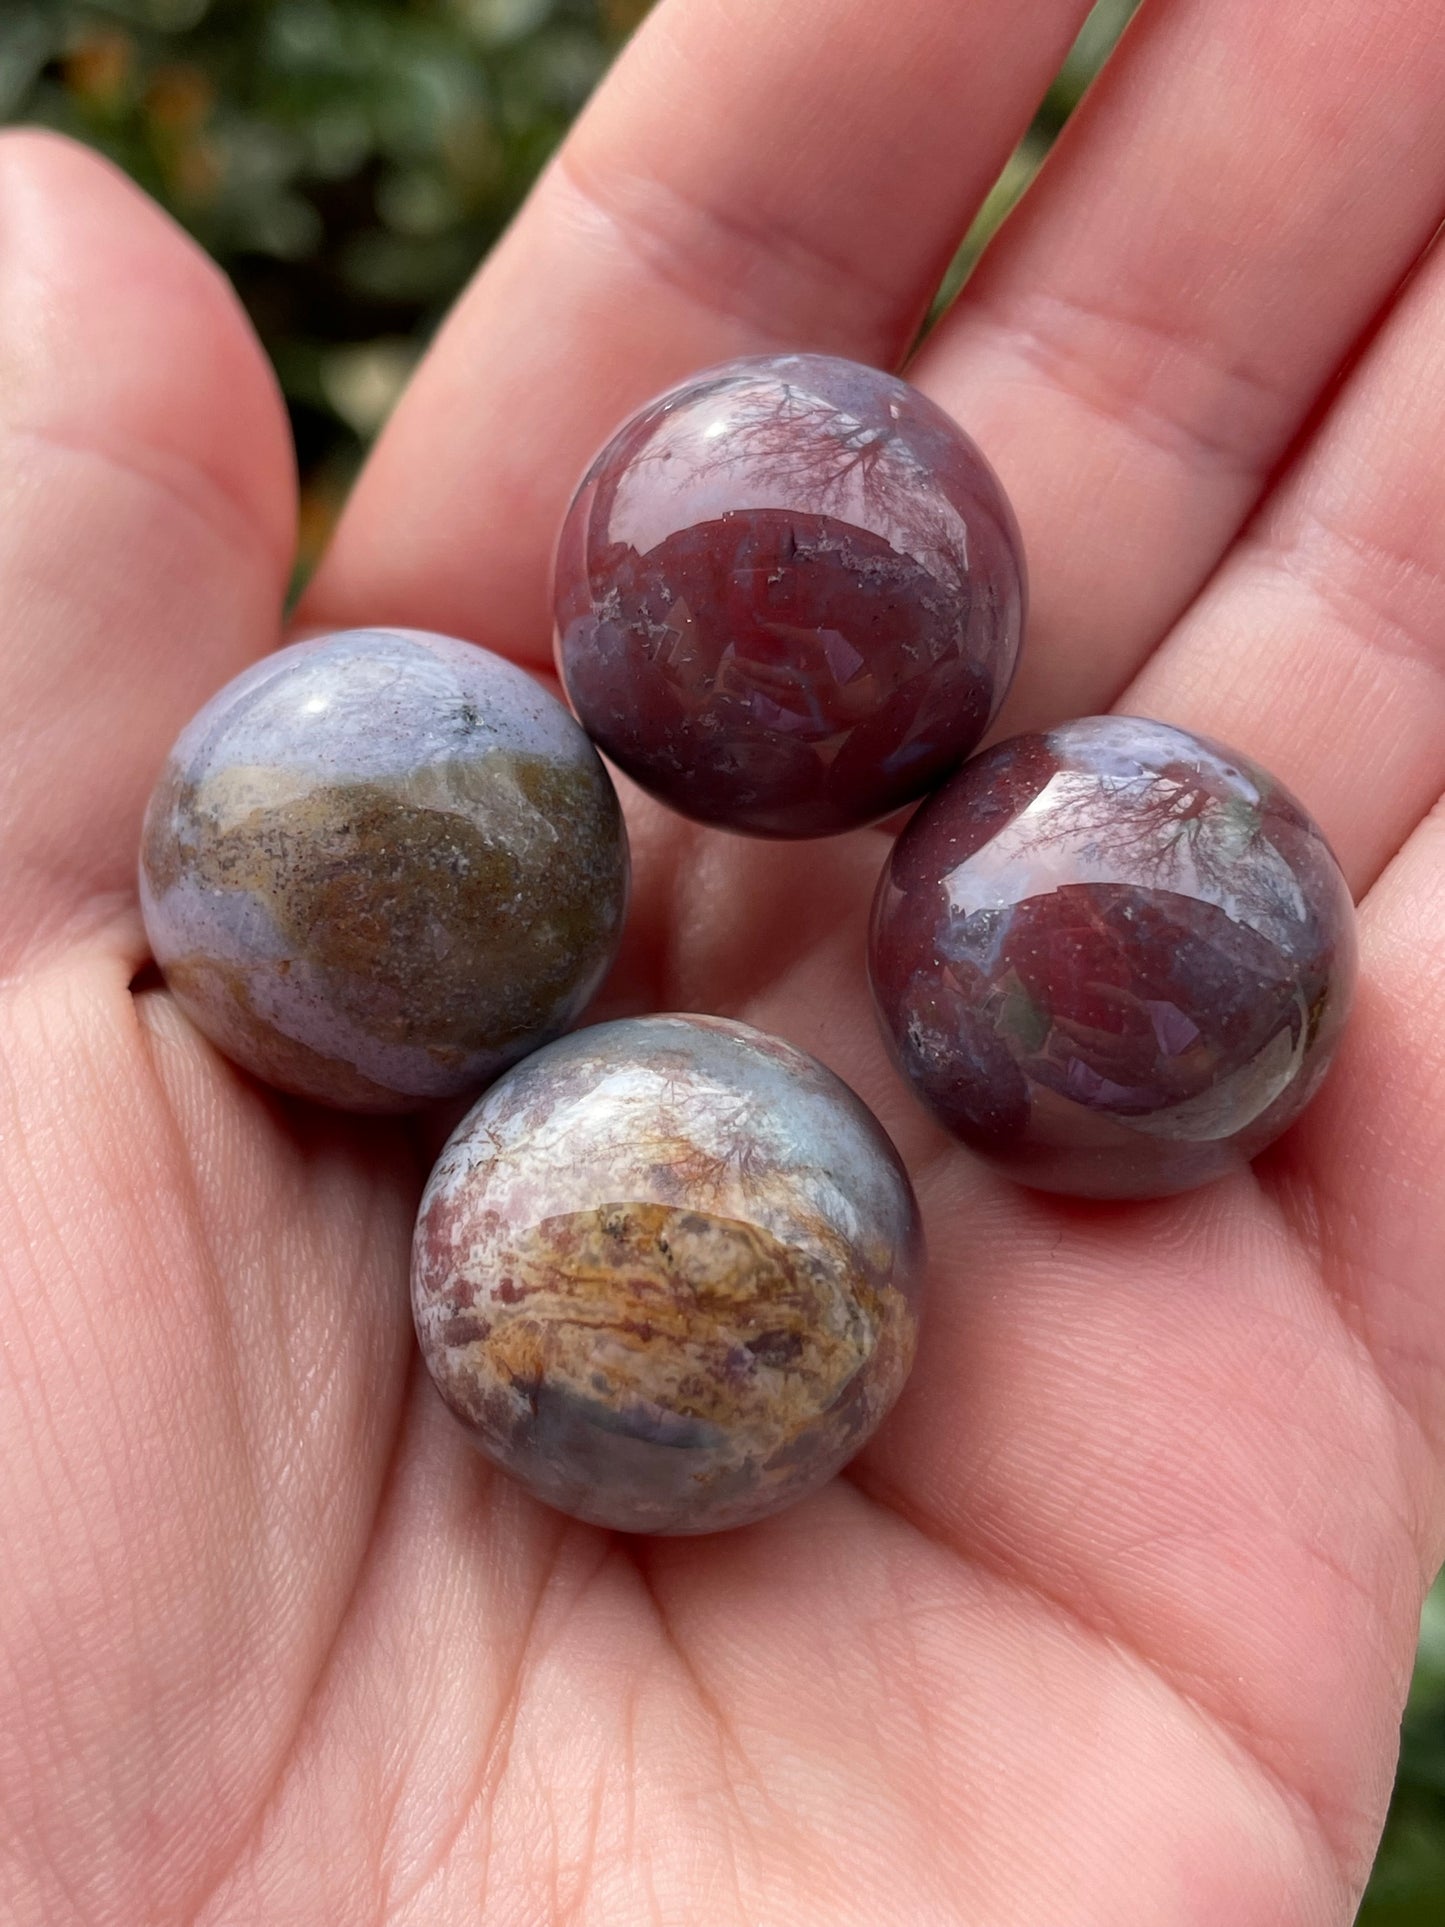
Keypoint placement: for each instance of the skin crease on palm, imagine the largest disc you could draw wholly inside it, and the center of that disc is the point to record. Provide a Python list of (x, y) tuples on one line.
[(1113, 1621)]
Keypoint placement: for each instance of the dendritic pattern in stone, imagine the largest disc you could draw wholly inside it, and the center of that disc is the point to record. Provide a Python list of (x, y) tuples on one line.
[(667, 1273), (381, 865), (789, 596), (1115, 958)]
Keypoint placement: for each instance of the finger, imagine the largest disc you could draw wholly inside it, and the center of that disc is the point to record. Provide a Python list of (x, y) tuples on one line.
[(1320, 644), (1224, 216), (148, 516), (792, 178), (1364, 1174)]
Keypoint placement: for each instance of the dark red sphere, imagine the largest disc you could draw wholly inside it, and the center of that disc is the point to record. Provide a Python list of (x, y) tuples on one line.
[(1115, 958), (789, 596)]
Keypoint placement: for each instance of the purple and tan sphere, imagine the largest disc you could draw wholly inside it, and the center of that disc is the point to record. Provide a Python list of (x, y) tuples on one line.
[(1114, 958), (789, 595), (667, 1273), (379, 866)]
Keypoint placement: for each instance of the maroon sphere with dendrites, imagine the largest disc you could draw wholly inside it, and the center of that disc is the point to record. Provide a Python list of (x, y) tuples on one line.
[(1115, 958), (789, 596)]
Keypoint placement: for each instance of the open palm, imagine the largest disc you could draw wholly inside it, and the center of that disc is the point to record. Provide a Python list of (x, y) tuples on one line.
[(1113, 1621)]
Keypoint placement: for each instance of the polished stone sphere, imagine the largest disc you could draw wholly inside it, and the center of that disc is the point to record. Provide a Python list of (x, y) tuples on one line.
[(1114, 958), (667, 1273), (789, 596), (380, 866)]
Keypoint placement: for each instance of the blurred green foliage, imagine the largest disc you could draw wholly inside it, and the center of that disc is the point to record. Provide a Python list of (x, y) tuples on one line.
[(349, 162)]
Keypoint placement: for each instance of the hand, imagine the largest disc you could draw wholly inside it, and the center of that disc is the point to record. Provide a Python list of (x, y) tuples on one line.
[(1113, 1622)]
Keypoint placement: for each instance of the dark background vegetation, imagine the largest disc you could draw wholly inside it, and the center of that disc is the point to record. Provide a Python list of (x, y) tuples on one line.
[(349, 162)]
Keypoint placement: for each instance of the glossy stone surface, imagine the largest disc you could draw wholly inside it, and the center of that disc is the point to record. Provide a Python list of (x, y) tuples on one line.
[(1115, 958), (667, 1273), (789, 596), (379, 866)]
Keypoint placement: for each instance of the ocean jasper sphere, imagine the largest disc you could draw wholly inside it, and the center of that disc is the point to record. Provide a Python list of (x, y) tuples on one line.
[(1114, 958), (380, 866), (789, 596), (667, 1274)]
